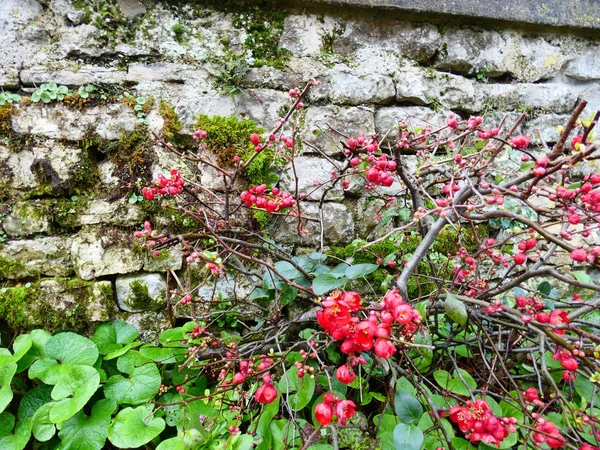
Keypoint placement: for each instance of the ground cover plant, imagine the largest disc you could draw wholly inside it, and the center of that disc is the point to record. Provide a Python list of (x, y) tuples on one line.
[(470, 321)]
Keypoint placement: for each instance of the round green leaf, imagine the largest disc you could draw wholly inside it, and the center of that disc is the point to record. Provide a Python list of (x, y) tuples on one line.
[(111, 336), (133, 428), (33, 400), (83, 432), (36, 351), (143, 382), (171, 444), (455, 309), (407, 437), (7, 373), (19, 439), (360, 270), (300, 390), (43, 427), (72, 348), (453, 383), (327, 282), (408, 409), (74, 388)]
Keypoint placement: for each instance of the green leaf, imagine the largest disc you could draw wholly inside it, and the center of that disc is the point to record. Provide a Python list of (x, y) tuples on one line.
[(113, 335), (407, 437), (72, 348), (455, 309), (7, 373), (582, 277), (21, 346), (171, 444), (19, 439), (142, 384), (262, 430), (43, 427), (340, 270), (83, 432), (133, 428), (258, 293), (74, 388), (301, 390), (326, 282), (241, 442), (287, 270), (36, 96), (455, 384), (33, 400), (545, 288), (408, 409), (360, 270)]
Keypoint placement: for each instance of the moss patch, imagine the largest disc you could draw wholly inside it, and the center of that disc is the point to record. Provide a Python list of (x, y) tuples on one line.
[(140, 299), (9, 268), (14, 307)]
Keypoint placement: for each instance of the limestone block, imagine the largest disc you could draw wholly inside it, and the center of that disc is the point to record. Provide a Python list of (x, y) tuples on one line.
[(321, 123), (190, 107), (120, 213), (46, 256), (338, 226), (96, 254), (309, 171), (387, 119), (171, 258), (547, 125), (57, 121), (585, 66), (74, 76), (141, 292), (9, 78), (26, 218), (156, 72), (345, 86)]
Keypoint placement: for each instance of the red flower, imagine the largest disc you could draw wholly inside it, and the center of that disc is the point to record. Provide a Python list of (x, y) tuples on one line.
[(520, 258), (344, 410), (547, 432), (323, 413), (384, 348), (266, 393), (345, 374), (520, 142), (558, 317), (579, 255)]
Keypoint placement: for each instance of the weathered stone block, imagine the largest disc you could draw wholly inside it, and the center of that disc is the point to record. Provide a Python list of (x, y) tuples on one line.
[(387, 119), (27, 218), (9, 78), (585, 66), (156, 72), (96, 254), (345, 86), (47, 256), (311, 171), (75, 76), (323, 125), (57, 121), (141, 292), (338, 226)]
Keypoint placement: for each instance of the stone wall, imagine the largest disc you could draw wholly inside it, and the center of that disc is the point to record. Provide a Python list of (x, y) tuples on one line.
[(69, 167)]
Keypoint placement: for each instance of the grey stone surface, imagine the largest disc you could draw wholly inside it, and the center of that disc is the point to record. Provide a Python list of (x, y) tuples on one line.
[(311, 172), (346, 86), (131, 8), (74, 76), (548, 126), (551, 13), (57, 121), (171, 258), (132, 298), (9, 78), (29, 258), (338, 226), (156, 72), (387, 119), (586, 66), (323, 125), (97, 253), (26, 219), (120, 213)]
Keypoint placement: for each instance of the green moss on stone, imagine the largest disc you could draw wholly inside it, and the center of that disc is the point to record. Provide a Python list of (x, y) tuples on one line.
[(140, 299), (14, 303), (9, 268)]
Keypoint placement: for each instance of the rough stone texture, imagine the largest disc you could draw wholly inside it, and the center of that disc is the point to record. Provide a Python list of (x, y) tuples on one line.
[(156, 72), (171, 258), (338, 226), (47, 256), (321, 124), (585, 66), (110, 213), (128, 296), (492, 53), (62, 299), (73, 76), (95, 254), (548, 125), (59, 122), (344, 86), (25, 219), (54, 163), (9, 78), (309, 171), (387, 119)]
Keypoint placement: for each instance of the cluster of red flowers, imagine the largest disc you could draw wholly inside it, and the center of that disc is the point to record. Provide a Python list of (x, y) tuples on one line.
[(266, 393), (380, 170), (531, 396), (525, 246), (361, 143), (372, 333), (546, 431), (520, 142), (164, 186), (343, 410), (569, 363), (580, 255), (272, 201), (478, 422)]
